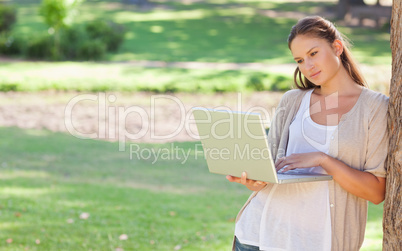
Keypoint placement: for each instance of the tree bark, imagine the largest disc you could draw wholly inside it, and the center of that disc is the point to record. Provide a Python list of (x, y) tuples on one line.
[(357, 2), (136, 2), (344, 5), (342, 9), (392, 223)]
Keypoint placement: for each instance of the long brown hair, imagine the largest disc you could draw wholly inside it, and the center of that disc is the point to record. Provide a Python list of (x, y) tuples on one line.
[(319, 27)]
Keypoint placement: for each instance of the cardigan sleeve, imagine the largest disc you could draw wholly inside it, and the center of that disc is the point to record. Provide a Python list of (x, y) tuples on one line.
[(378, 140), (279, 129), (275, 130)]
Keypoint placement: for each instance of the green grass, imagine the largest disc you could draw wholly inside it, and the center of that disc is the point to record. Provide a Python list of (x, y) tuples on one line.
[(210, 31), (49, 179), (30, 76), (100, 77), (213, 31)]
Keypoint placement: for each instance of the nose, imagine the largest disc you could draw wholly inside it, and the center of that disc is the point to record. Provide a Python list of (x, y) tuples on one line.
[(309, 65)]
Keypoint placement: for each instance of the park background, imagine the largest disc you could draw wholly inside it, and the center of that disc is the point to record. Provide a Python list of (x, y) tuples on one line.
[(60, 192)]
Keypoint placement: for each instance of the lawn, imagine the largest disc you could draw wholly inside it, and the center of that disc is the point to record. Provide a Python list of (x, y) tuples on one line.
[(170, 31), (62, 193), (50, 179), (123, 77), (208, 31), (95, 77)]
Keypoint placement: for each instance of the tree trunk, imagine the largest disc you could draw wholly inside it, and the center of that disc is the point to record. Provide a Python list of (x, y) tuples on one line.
[(136, 2), (342, 9), (392, 223), (357, 2), (344, 5)]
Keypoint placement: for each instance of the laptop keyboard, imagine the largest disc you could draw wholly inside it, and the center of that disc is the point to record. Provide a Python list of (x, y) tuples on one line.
[(295, 175)]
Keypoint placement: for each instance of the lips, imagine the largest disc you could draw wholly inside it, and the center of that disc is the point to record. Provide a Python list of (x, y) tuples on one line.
[(315, 74)]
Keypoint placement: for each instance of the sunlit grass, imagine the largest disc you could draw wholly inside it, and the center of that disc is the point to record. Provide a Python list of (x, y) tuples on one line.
[(183, 33), (158, 206), (374, 234), (94, 77), (30, 76)]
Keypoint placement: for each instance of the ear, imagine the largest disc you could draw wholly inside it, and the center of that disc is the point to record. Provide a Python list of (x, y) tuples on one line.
[(338, 47)]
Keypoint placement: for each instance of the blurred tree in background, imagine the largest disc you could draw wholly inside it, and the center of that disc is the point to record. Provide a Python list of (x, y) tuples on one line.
[(58, 14), (8, 16), (63, 39), (8, 44)]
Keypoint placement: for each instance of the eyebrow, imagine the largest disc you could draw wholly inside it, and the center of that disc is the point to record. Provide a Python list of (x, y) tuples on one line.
[(307, 52)]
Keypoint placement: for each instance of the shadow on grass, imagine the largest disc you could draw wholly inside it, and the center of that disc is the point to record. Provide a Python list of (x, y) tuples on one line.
[(50, 179), (213, 32)]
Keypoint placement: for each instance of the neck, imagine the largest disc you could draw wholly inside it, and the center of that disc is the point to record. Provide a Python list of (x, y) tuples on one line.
[(342, 84)]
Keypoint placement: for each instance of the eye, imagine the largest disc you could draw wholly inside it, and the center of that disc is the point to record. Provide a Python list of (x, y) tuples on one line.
[(299, 61), (313, 53)]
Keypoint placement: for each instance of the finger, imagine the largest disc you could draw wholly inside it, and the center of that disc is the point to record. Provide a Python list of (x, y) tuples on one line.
[(243, 179), (280, 163), (233, 179), (258, 183), (288, 168)]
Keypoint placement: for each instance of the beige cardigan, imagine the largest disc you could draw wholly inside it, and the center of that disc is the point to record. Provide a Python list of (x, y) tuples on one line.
[(360, 141)]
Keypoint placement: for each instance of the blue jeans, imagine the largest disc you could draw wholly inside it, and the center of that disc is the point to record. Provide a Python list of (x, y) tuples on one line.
[(244, 247)]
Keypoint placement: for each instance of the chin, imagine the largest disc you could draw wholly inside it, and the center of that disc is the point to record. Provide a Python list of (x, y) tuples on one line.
[(316, 84)]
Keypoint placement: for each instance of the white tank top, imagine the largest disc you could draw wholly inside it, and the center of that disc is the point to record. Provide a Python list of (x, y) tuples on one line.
[(292, 216)]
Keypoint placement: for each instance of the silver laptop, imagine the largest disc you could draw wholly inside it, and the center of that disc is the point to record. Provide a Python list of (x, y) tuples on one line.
[(234, 142)]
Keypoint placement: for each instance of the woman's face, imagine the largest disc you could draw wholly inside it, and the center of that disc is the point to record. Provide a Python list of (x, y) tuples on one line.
[(317, 59)]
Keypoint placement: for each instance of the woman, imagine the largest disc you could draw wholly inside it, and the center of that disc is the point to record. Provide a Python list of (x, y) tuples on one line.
[(331, 124)]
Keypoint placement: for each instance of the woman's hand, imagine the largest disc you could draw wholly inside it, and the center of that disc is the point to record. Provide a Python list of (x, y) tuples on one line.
[(253, 185), (300, 160), (362, 184)]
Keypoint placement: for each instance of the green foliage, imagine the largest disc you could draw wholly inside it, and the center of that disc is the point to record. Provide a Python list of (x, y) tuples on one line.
[(41, 47), (108, 32), (58, 13), (262, 81), (125, 77), (255, 83), (170, 87), (8, 16), (71, 39), (91, 50), (280, 83), (10, 45), (212, 31), (8, 87), (54, 13), (76, 43), (226, 86)]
